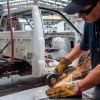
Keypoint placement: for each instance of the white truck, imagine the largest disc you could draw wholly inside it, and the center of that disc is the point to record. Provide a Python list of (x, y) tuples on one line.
[(30, 38)]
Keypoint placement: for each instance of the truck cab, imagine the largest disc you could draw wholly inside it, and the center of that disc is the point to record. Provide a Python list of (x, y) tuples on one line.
[(35, 31)]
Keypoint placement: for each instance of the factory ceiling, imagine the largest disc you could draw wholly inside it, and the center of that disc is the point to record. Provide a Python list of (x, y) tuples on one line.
[(53, 4), (57, 4)]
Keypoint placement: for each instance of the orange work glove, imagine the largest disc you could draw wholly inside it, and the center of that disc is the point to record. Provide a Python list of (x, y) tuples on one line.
[(62, 65), (65, 90)]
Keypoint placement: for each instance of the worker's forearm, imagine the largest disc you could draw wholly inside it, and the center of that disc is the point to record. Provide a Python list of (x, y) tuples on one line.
[(92, 79), (75, 53)]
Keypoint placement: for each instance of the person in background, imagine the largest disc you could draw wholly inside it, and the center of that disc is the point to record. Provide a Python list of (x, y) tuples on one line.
[(1, 10), (89, 11)]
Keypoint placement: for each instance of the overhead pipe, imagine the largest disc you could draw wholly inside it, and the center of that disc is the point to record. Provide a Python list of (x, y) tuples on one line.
[(12, 34)]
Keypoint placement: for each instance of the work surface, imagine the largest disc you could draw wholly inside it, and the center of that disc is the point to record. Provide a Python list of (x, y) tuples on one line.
[(39, 94)]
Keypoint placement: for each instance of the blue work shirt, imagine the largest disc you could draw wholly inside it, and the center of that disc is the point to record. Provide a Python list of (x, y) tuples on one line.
[(91, 40), (2, 11)]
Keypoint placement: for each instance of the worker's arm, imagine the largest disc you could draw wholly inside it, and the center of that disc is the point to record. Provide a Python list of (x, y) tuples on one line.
[(92, 79), (65, 61), (75, 53)]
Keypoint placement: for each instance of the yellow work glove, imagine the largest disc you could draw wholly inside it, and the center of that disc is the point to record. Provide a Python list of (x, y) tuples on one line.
[(62, 65), (65, 90)]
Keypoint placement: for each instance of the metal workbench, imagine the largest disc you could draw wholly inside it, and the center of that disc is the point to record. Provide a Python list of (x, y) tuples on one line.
[(28, 89), (39, 94)]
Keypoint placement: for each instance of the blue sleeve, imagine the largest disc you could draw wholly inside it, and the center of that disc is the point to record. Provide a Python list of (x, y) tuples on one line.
[(84, 44)]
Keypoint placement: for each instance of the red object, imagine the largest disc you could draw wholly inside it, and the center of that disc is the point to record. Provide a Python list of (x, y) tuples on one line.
[(12, 34)]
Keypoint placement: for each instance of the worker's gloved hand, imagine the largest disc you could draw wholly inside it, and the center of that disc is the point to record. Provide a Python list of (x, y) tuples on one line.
[(62, 65), (65, 90)]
